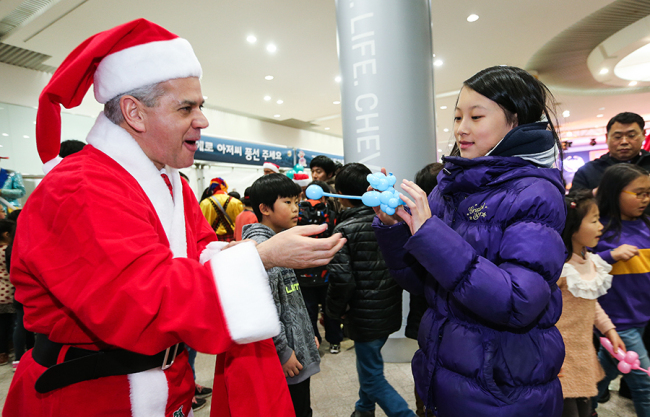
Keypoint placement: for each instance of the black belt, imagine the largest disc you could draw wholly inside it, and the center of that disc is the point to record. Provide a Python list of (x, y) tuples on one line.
[(83, 365)]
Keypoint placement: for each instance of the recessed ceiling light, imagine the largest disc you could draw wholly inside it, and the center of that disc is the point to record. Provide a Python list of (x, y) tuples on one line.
[(251, 39), (602, 108), (434, 55), (599, 115), (276, 115), (34, 122), (267, 98), (569, 134), (446, 130), (279, 101), (566, 113), (472, 18), (268, 77), (604, 71), (337, 102), (271, 48), (5, 134), (337, 79), (205, 97), (450, 144), (327, 128), (632, 83), (439, 150), (438, 62), (443, 107), (26, 137)]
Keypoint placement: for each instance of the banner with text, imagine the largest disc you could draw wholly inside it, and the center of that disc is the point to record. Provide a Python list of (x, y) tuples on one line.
[(237, 152), (304, 157)]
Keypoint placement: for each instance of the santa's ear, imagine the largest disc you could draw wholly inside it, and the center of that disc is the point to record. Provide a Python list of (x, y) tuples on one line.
[(133, 113)]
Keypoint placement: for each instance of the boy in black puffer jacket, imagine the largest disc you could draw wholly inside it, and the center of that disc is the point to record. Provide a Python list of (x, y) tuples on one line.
[(363, 293)]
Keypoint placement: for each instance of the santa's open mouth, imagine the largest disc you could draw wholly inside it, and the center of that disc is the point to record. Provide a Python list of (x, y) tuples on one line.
[(191, 145)]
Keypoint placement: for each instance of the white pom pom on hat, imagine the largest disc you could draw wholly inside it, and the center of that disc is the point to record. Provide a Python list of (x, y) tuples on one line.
[(118, 60)]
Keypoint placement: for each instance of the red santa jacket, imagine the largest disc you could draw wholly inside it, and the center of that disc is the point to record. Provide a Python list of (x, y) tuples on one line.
[(105, 258)]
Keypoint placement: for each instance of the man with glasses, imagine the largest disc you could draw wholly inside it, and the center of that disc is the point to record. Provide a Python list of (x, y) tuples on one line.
[(625, 137)]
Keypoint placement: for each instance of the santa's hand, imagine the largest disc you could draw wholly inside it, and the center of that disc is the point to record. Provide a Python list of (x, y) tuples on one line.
[(294, 248), (419, 206)]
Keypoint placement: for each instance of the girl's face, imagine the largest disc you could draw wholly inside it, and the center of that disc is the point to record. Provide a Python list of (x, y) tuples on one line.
[(589, 232), (479, 124), (634, 198)]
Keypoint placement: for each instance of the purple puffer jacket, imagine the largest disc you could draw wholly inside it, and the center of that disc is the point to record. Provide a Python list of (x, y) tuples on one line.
[(487, 261)]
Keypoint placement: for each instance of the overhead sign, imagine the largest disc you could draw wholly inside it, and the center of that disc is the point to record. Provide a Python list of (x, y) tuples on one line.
[(304, 156), (237, 152)]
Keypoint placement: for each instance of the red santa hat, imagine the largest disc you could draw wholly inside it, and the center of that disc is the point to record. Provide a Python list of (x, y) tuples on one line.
[(116, 61), (301, 179), (273, 167)]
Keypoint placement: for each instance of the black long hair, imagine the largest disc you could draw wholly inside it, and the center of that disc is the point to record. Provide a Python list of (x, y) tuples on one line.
[(523, 98), (614, 180), (578, 204)]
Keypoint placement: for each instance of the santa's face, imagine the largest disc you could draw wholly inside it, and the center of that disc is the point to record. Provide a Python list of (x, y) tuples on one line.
[(173, 127)]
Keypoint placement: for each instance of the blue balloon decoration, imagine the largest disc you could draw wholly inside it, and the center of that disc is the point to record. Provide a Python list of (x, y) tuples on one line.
[(298, 168), (383, 195), (291, 173), (371, 199), (314, 192)]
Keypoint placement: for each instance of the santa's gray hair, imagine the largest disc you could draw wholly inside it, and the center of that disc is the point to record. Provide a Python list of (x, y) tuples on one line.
[(148, 95)]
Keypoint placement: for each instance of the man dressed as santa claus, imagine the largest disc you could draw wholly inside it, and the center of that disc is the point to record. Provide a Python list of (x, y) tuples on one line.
[(115, 264)]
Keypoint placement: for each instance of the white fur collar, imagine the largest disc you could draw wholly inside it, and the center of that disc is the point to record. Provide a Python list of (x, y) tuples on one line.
[(119, 145)]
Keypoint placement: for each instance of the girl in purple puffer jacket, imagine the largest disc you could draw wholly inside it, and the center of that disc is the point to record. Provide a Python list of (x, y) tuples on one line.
[(486, 250)]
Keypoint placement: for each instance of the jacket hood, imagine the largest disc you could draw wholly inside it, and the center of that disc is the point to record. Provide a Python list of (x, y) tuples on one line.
[(469, 175)]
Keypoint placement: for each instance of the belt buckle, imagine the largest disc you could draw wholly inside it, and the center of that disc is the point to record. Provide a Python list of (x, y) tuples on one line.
[(164, 364)]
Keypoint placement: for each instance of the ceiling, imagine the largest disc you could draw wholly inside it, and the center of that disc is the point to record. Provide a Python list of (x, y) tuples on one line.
[(530, 34)]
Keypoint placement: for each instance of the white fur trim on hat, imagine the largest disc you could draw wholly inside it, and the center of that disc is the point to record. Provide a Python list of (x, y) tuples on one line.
[(143, 65), (273, 167)]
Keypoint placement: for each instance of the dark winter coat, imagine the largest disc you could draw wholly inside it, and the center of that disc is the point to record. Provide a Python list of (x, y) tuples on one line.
[(589, 175), (487, 261), (360, 281)]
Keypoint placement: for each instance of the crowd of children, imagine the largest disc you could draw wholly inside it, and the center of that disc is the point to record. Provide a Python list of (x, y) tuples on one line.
[(510, 278)]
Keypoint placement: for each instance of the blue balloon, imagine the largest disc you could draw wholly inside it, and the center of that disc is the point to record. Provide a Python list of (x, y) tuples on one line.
[(314, 192), (371, 199), (385, 196), (382, 184), (291, 173), (393, 202), (298, 168)]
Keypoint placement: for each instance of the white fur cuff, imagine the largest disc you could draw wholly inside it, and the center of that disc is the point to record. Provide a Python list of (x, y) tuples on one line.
[(245, 294)]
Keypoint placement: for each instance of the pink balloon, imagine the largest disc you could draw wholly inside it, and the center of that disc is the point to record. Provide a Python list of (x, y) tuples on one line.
[(624, 367), (631, 357)]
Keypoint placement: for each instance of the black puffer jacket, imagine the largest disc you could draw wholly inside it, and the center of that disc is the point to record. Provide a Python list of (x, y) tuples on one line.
[(360, 281)]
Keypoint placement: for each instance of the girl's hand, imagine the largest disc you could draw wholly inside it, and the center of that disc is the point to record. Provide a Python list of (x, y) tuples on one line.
[(385, 218), (419, 206), (617, 343), (624, 252)]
